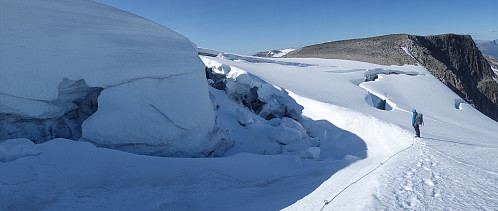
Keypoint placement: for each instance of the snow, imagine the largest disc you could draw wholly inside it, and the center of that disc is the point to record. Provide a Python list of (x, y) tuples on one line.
[(252, 59), (283, 52), (293, 134), (117, 43), (342, 148), (208, 52), (155, 98), (384, 132), (285, 135), (407, 51), (134, 111), (496, 74), (14, 149), (77, 175)]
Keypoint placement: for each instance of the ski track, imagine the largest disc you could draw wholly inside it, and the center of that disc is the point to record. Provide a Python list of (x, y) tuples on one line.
[(428, 179)]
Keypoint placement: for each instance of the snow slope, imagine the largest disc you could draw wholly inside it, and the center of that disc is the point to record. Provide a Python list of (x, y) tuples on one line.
[(343, 100), (342, 89), (341, 136), (396, 171), (155, 95)]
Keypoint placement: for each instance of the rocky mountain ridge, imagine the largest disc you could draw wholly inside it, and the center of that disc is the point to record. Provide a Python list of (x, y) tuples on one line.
[(454, 59)]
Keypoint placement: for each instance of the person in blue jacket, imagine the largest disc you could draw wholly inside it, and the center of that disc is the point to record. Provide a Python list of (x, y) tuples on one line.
[(415, 124)]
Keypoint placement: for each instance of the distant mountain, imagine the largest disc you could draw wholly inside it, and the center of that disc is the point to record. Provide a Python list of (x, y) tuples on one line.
[(489, 48), (454, 59), (274, 53)]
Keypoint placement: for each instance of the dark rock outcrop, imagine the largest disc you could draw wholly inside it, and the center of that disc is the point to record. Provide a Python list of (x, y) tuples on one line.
[(454, 59)]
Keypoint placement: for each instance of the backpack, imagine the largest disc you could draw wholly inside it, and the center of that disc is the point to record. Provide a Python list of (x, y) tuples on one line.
[(419, 118)]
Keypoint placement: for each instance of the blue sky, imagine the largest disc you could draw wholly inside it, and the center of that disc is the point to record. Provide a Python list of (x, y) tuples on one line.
[(249, 26)]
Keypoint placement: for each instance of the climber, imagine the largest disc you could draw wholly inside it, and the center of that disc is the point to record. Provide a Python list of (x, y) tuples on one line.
[(417, 120)]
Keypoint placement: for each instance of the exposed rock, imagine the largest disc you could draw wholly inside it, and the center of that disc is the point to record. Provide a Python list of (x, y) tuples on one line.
[(453, 59), (385, 50)]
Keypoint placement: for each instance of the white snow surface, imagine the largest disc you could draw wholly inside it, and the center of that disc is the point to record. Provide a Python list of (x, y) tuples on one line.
[(155, 116), (283, 52), (46, 41), (209, 52), (155, 93), (448, 138), (496, 74), (362, 157), (342, 149)]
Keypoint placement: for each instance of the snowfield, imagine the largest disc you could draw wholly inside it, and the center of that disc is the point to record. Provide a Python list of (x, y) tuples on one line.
[(368, 158), (345, 100), (266, 134)]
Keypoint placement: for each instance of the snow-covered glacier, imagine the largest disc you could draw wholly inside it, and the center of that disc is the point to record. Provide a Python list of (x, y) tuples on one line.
[(141, 84), (271, 133)]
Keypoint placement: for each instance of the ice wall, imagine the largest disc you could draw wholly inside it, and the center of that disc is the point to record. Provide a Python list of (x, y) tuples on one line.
[(154, 90)]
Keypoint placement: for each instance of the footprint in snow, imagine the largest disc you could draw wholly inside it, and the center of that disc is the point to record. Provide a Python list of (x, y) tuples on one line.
[(436, 176), (436, 193), (429, 182), (408, 174), (422, 143), (408, 187)]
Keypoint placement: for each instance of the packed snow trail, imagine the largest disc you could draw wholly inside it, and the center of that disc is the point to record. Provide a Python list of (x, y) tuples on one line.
[(427, 179), (328, 202), (384, 141)]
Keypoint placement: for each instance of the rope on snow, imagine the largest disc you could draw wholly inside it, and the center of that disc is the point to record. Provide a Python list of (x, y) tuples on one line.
[(327, 202)]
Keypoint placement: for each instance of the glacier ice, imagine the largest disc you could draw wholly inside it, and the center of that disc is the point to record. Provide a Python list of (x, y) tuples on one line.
[(269, 116), (142, 83), (41, 120), (168, 116)]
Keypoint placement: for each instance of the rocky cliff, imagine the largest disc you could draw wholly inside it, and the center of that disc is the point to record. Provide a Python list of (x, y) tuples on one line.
[(453, 59)]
